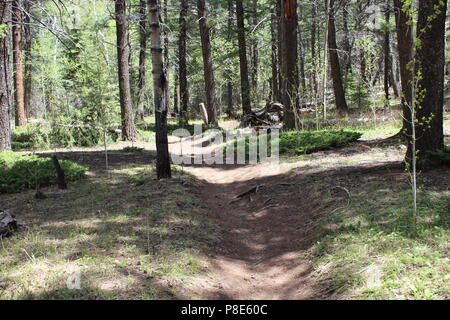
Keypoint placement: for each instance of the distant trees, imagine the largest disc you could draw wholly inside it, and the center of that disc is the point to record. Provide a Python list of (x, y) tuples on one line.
[(5, 75), (128, 128)]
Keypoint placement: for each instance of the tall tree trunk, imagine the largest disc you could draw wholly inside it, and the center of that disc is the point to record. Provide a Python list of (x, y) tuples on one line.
[(275, 64), (143, 34), (346, 43), (314, 48), (387, 54), (245, 84), (339, 93), (176, 85), (5, 75), (430, 62), (163, 168), (279, 39), (254, 51), (230, 39), (166, 52), (28, 63), (182, 64), (128, 129), (301, 52), (289, 63), (19, 93), (210, 84), (405, 45)]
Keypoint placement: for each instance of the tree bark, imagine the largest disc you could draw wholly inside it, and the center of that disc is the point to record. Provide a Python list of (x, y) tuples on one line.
[(163, 168), (245, 84), (184, 91), (140, 108), (387, 55), (210, 83), (314, 58), (254, 51), (28, 63), (19, 93), (5, 75), (230, 75), (289, 59), (128, 129), (339, 93), (166, 53), (275, 64), (430, 62), (405, 45)]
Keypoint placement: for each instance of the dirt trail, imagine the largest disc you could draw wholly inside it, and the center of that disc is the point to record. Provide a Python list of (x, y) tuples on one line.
[(261, 241)]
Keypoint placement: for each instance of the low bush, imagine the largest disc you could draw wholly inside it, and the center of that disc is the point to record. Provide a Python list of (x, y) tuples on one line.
[(18, 172), (306, 142)]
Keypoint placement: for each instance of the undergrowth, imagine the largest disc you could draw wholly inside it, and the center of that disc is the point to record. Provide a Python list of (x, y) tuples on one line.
[(18, 172)]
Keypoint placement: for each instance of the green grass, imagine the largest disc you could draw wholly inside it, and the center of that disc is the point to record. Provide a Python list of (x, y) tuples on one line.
[(126, 241), (372, 250), (296, 143), (19, 172)]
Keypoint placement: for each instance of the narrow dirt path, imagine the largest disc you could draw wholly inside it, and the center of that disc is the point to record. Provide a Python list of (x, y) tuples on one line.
[(261, 254)]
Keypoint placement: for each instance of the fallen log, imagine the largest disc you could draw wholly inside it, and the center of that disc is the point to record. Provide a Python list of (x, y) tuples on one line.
[(7, 224)]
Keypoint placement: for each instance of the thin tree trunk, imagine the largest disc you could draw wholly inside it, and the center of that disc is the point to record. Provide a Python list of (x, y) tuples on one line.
[(245, 84), (163, 168), (140, 113), (128, 129), (289, 59), (229, 75), (275, 64), (166, 53), (254, 52), (387, 55), (314, 84), (19, 92), (182, 65), (301, 52), (5, 76), (430, 62), (405, 45), (339, 93), (28, 63), (210, 83), (346, 43)]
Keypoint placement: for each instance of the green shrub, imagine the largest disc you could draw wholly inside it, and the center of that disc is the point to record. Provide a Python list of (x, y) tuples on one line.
[(442, 155), (31, 136), (301, 142), (306, 142), (19, 172)]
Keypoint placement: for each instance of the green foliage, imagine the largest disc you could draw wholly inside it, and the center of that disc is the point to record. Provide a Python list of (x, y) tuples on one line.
[(31, 136), (304, 142), (300, 142), (358, 93), (19, 172), (442, 155)]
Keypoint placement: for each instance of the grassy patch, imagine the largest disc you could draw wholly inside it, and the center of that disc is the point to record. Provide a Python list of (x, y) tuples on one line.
[(302, 142), (125, 240), (18, 172), (372, 250)]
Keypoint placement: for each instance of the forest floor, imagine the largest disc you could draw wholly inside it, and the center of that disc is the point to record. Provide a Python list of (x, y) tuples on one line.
[(334, 224)]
